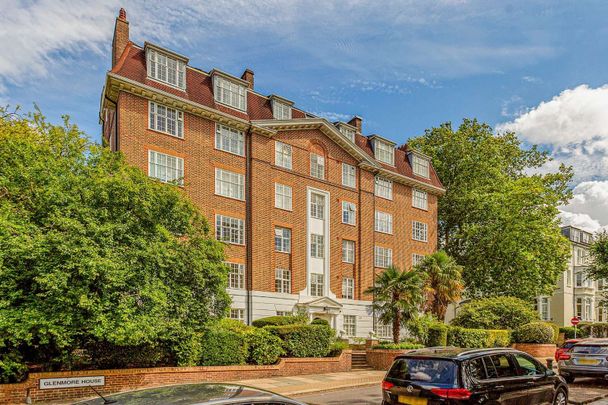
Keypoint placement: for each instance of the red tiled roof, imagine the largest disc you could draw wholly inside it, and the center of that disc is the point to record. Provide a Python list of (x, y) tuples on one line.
[(199, 89)]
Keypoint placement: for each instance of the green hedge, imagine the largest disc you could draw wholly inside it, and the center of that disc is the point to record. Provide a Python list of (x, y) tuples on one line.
[(469, 338), (437, 335), (12, 368), (263, 347), (222, 347), (498, 338), (568, 332), (495, 313), (304, 340), (399, 346), (534, 332), (279, 320), (336, 348)]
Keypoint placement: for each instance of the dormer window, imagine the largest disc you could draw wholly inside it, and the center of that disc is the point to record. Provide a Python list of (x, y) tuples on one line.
[(420, 165), (166, 67), (229, 91), (347, 131), (281, 108), (384, 150)]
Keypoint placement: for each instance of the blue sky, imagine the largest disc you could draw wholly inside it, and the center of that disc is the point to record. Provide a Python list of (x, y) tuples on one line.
[(535, 67)]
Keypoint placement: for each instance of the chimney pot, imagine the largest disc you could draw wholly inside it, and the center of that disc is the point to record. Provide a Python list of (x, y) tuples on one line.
[(248, 77), (122, 14)]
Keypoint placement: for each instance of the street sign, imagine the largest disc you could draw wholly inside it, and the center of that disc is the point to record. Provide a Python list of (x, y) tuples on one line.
[(575, 321)]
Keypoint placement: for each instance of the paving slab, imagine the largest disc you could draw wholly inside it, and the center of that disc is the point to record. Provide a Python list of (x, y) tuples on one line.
[(587, 391)]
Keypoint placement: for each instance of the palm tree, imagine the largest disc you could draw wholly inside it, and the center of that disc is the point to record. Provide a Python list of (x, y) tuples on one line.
[(397, 296), (442, 282)]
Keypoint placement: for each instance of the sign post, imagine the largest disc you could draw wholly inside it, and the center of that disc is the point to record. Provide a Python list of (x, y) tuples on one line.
[(575, 321)]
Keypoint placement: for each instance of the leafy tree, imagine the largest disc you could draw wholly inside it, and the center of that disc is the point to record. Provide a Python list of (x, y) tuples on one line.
[(598, 268), (495, 313), (442, 282), (396, 297), (497, 219), (93, 251)]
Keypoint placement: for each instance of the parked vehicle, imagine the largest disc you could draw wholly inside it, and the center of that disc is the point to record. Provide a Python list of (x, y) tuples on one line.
[(588, 358), (208, 394), (567, 345), (448, 375)]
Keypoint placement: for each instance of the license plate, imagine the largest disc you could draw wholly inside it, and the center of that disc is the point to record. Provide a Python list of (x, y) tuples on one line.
[(588, 362), (404, 399)]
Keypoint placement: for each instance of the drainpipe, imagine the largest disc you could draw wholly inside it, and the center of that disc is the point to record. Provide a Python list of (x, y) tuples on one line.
[(248, 230)]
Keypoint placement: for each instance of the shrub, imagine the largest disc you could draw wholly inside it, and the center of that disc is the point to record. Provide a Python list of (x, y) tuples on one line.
[(264, 347), (598, 330), (222, 347), (304, 340), (232, 325), (534, 332), (12, 368), (187, 351), (106, 355), (337, 347), (279, 320), (495, 313), (469, 338), (419, 326), (437, 335), (498, 338), (398, 346), (555, 329), (568, 332), (319, 321)]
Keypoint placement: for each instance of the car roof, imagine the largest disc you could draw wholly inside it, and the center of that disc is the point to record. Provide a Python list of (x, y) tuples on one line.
[(195, 394), (455, 353), (593, 341)]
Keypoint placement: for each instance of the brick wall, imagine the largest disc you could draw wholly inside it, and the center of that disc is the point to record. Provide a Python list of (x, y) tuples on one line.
[(381, 359), (131, 379)]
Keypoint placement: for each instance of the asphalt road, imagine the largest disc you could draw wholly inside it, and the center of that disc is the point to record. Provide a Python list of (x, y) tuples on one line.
[(358, 396)]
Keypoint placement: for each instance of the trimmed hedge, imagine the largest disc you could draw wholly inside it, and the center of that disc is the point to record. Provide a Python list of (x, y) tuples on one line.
[(398, 346), (279, 320), (568, 332), (437, 335), (468, 338), (264, 347), (304, 340), (534, 332), (222, 347), (12, 368), (495, 313), (498, 338), (319, 321)]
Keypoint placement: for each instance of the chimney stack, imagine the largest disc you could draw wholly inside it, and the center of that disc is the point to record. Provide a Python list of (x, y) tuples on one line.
[(356, 122), (121, 36), (248, 77)]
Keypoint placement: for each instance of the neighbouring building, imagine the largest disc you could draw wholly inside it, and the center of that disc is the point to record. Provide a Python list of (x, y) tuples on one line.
[(576, 293), (310, 211)]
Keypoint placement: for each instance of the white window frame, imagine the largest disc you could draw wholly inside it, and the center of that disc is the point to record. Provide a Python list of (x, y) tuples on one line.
[(282, 239), (229, 229), (166, 69), (282, 281), (349, 323), (417, 259), (349, 175), (383, 222), (317, 206), (281, 111), (283, 198), (237, 314), (348, 133), (230, 93), (383, 257), (349, 213), (348, 288), (420, 199), (317, 166), (165, 168), (384, 152), (282, 155), (317, 246), (317, 284), (229, 140), (420, 231), (421, 166), (348, 251), (236, 276), (229, 184), (383, 188), (384, 331), (165, 119)]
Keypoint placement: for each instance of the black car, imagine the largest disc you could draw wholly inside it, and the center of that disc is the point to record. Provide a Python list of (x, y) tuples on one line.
[(190, 394), (449, 375)]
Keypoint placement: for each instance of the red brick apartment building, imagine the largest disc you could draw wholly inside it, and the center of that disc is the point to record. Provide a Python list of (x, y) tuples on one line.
[(310, 210)]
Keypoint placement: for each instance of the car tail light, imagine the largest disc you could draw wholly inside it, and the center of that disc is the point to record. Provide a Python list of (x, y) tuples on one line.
[(452, 393), (387, 385), (564, 356)]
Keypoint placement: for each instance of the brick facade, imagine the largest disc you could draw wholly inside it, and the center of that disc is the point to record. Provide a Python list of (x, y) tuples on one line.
[(128, 92)]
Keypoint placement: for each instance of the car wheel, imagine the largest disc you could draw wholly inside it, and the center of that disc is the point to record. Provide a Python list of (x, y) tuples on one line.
[(561, 398)]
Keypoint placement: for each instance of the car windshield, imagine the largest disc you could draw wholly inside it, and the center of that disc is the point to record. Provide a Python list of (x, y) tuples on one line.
[(568, 345), (426, 371), (590, 349)]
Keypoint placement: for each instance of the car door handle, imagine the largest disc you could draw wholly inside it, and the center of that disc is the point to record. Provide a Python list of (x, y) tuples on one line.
[(499, 387)]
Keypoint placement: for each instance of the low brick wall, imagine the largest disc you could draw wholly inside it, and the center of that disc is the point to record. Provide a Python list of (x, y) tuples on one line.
[(538, 350), (137, 378), (382, 359)]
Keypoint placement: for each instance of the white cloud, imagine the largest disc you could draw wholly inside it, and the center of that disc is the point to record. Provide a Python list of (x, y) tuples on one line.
[(590, 200), (583, 221)]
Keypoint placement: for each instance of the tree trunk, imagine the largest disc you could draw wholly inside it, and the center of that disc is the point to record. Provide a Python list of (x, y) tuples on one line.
[(396, 327)]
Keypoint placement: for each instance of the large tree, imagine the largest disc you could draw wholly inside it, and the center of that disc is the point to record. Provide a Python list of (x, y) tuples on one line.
[(93, 252), (396, 297), (498, 217), (598, 257), (442, 282)]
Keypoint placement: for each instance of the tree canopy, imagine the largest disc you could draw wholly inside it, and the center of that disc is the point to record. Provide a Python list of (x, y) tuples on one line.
[(442, 279), (498, 217), (92, 250), (598, 257)]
